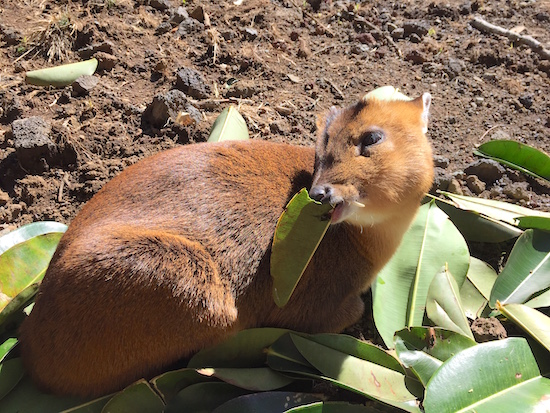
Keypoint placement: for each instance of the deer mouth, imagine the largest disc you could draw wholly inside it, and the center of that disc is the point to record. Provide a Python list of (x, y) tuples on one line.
[(337, 213)]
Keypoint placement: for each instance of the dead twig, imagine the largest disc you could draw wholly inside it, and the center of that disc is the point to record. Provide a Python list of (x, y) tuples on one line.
[(336, 89), (528, 41)]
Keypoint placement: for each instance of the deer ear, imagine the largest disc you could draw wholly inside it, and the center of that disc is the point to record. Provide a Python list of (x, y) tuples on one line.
[(424, 102), (324, 120)]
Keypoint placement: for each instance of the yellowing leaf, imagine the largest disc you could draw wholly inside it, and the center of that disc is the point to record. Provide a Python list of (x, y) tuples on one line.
[(61, 75), (229, 126)]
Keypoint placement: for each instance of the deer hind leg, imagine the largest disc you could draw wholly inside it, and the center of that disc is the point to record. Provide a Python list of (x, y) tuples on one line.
[(123, 305)]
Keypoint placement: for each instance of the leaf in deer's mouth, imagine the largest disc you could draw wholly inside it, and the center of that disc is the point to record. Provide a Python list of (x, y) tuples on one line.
[(299, 231)]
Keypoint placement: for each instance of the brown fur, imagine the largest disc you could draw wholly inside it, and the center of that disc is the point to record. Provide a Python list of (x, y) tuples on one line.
[(172, 255)]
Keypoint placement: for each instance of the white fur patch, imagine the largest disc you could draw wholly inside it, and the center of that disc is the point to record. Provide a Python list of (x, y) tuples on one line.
[(386, 93)]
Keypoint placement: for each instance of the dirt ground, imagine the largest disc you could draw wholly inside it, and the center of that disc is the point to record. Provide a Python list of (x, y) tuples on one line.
[(281, 62)]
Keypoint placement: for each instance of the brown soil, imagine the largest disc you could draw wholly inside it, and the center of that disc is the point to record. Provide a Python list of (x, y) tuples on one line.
[(291, 61)]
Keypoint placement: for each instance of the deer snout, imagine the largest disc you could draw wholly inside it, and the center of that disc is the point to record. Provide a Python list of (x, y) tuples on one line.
[(322, 193)]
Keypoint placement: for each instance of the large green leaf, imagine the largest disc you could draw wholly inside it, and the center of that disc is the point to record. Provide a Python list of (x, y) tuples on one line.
[(476, 290), (534, 222), (496, 210), (136, 398), (61, 75), (332, 407), (245, 349), (362, 376), (25, 397), (518, 156), (11, 373), (6, 347), (203, 397), (229, 126), (254, 379), (532, 321), (540, 299), (25, 264), (169, 384), (527, 270), (269, 402), (491, 377), (424, 349), (299, 231), (93, 406), (400, 291), (29, 231), (477, 227)]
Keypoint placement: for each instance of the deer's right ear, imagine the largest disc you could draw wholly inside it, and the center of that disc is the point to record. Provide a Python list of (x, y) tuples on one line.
[(324, 120), (424, 103)]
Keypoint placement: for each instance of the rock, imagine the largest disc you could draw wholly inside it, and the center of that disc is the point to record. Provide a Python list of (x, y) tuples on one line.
[(486, 169), (192, 83), (10, 107), (366, 38), (488, 329), (454, 67), (178, 15), (162, 28), (398, 33), (430, 67), (242, 89), (4, 198), (88, 51), (454, 187), (169, 106), (83, 85), (160, 4), (32, 143), (189, 26), (419, 28), (517, 191), (475, 184), (442, 10), (106, 61), (198, 14), (279, 127), (10, 36), (416, 57), (250, 33), (304, 50), (414, 38), (442, 180), (526, 101), (441, 161)]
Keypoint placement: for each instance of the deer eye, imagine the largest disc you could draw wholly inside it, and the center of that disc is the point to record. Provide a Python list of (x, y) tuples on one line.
[(369, 139)]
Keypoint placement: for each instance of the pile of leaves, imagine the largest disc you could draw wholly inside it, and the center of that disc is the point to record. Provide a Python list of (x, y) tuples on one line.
[(423, 303)]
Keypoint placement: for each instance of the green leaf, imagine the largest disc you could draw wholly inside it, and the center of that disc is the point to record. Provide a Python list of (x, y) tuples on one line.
[(93, 406), (477, 227), (6, 347), (29, 231), (487, 378), (532, 321), (401, 289), (61, 75), (527, 270), (255, 379), (203, 397), (169, 384), (11, 373), (244, 349), (473, 302), (269, 402), (25, 264), (534, 222), (283, 356), (333, 407), (229, 126), (496, 210), (362, 376), (25, 397), (476, 290), (299, 231), (443, 304), (136, 398), (540, 299), (518, 156), (424, 349), (10, 311)]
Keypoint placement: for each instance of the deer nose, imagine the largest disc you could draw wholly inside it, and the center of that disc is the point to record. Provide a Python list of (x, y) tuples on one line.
[(321, 193)]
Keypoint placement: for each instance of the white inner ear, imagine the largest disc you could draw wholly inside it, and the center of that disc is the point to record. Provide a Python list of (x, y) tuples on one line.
[(426, 101)]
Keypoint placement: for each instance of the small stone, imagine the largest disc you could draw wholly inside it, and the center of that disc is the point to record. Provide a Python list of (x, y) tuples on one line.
[(441, 180), (414, 38), (10, 36), (178, 15), (162, 28), (488, 329), (32, 143), (416, 57), (83, 85), (454, 67), (517, 191), (192, 83), (419, 28), (294, 35), (475, 184), (242, 89), (441, 161), (10, 107), (303, 49), (486, 169), (198, 14), (160, 4), (398, 33), (250, 33), (106, 61), (164, 107), (279, 127), (189, 26), (390, 27), (366, 38), (88, 51), (454, 187), (526, 101), (430, 67)]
